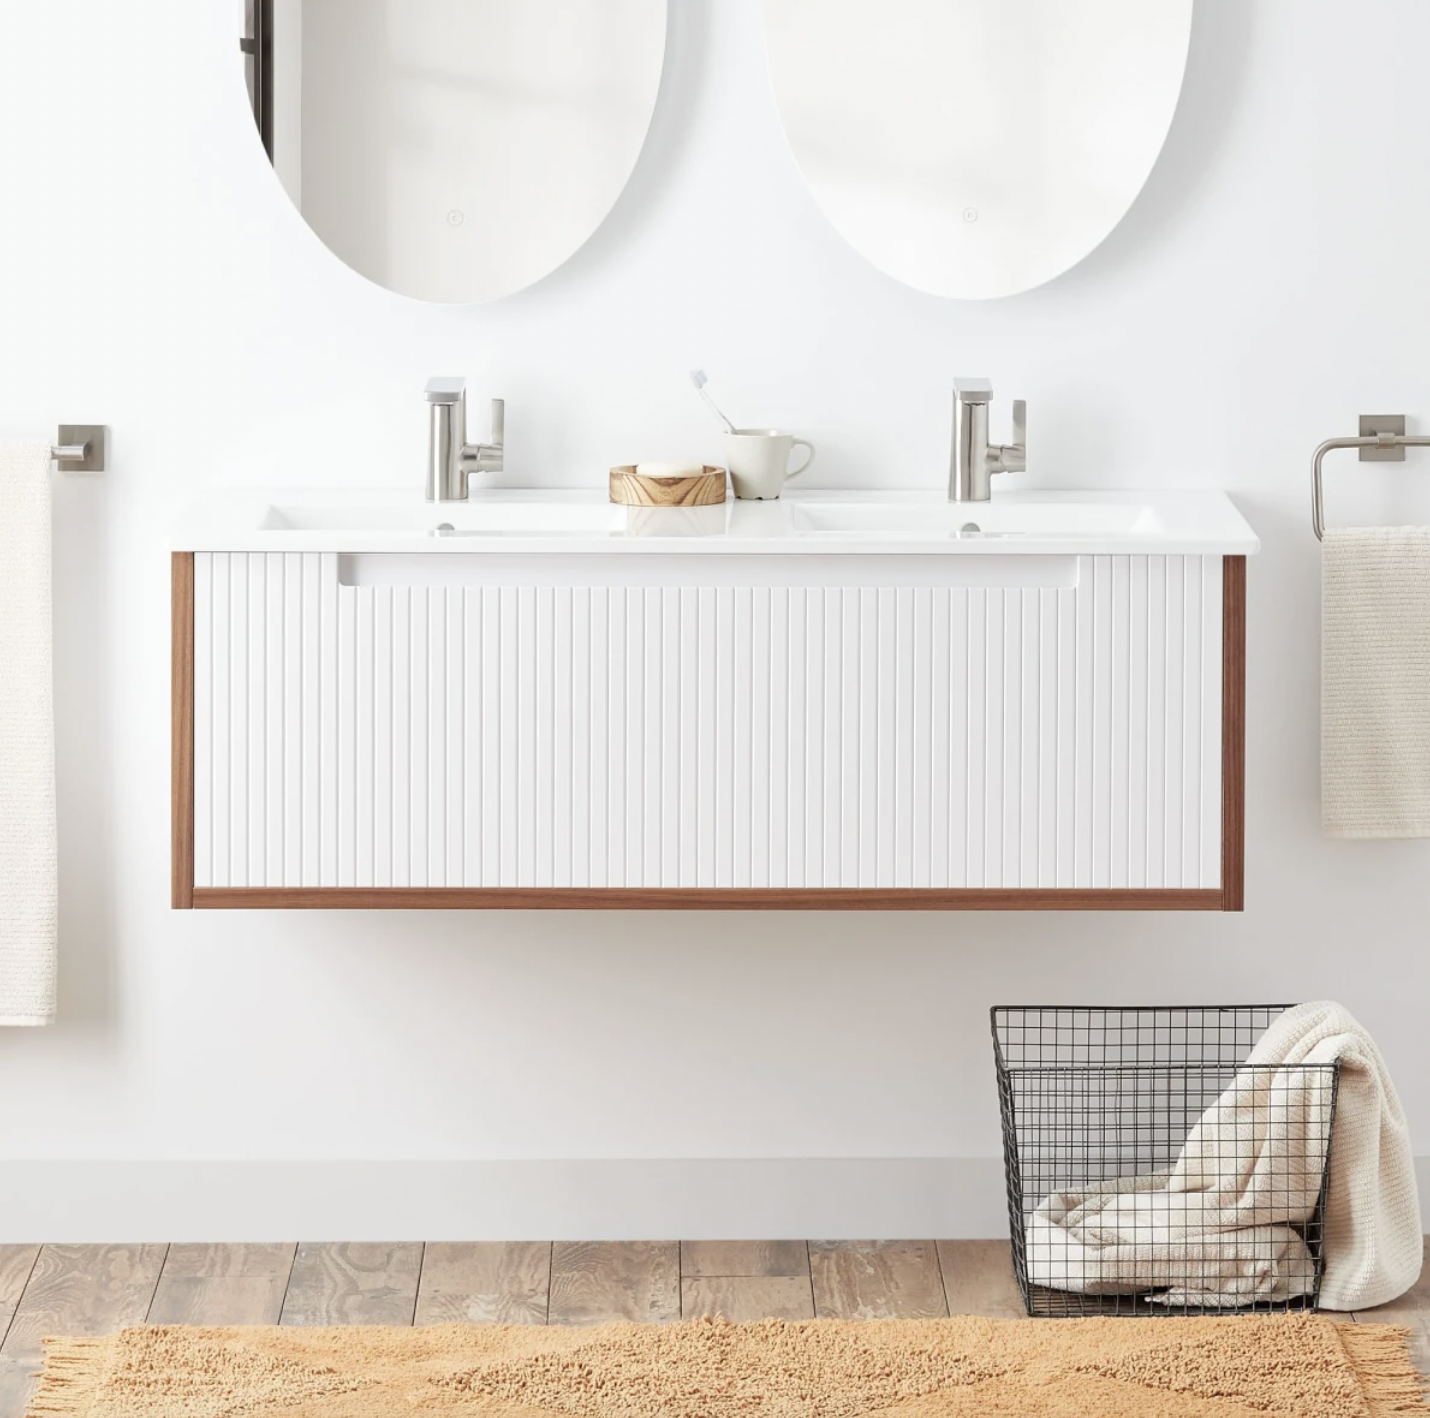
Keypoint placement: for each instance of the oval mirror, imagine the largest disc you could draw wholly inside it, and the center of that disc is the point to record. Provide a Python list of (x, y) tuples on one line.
[(977, 148), (454, 150)]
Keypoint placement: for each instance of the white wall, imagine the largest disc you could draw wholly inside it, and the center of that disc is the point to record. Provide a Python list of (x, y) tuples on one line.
[(1272, 282)]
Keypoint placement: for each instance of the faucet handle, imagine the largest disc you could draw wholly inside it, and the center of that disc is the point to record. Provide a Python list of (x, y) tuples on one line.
[(1013, 457), (489, 457)]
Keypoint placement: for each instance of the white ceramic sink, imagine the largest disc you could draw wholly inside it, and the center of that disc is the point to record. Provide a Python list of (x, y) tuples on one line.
[(581, 520), (964, 520), (485, 518)]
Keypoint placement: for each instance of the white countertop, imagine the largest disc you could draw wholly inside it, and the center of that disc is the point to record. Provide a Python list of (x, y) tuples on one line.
[(568, 521)]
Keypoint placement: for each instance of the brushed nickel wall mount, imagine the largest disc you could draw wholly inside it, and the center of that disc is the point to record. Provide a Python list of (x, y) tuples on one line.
[(1383, 439), (1388, 431), (81, 447)]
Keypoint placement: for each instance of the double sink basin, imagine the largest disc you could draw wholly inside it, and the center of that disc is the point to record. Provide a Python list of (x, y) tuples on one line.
[(1201, 522)]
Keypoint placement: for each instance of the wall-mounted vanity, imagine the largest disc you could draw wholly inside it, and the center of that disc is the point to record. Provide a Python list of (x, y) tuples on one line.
[(833, 700), (836, 699)]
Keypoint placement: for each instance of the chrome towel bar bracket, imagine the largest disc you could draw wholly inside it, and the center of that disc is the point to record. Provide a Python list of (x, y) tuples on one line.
[(81, 447), (1382, 440)]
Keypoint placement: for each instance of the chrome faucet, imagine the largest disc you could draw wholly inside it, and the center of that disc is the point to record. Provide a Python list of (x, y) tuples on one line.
[(974, 459), (450, 458)]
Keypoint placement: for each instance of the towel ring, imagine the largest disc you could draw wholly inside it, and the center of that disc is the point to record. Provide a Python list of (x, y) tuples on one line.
[(1383, 439)]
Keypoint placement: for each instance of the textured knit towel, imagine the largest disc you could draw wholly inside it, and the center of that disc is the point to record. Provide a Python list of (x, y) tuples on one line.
[(1375, 682), (27, 739), (1217, 1225), (1374, 1239)]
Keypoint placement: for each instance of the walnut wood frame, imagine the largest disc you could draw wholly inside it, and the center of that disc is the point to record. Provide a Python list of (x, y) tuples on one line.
[(1230, 896), (182, 670)]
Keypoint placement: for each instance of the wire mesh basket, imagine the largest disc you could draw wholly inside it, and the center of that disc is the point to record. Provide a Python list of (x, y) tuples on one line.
[(1152, 1170)]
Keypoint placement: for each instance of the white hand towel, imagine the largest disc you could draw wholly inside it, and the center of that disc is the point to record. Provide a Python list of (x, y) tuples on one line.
[(1375, 682), (28, 886)]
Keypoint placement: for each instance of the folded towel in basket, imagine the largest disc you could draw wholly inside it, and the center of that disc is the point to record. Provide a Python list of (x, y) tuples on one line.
[(1131, 1234), (1217, 1227)]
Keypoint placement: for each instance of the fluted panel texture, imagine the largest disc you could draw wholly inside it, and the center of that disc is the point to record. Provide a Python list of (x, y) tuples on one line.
[(662, 736)]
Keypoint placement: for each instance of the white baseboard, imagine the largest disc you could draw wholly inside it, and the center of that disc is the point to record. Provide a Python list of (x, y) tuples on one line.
[(838, 1198), (626, 1199)]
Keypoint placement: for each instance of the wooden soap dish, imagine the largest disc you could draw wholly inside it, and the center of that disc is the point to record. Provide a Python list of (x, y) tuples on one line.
[(702, 489)]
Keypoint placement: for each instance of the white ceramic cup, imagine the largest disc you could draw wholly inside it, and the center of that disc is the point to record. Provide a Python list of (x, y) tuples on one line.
[(758, 459)]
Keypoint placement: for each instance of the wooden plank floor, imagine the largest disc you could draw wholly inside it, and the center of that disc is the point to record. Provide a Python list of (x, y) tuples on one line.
[(48, 1290)]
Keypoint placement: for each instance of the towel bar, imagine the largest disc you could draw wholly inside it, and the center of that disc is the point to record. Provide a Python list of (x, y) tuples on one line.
[(1383, 439), (80, 447)]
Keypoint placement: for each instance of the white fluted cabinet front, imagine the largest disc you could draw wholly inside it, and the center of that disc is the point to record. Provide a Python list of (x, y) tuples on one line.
[(627, 722)]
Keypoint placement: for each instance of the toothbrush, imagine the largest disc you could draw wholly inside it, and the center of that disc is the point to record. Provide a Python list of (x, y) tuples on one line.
[(697, 378)]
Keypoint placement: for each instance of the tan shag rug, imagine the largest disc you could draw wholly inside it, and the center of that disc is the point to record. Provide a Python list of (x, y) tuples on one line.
[(1281, 1367)]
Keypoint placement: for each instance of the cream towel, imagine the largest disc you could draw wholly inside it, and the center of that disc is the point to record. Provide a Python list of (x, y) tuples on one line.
[(1375, 682), (1250, 1169), (27, 740), (1132, 1234)]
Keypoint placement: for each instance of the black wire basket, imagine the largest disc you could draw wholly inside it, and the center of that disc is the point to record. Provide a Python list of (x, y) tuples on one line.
[(1126, 1196)]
